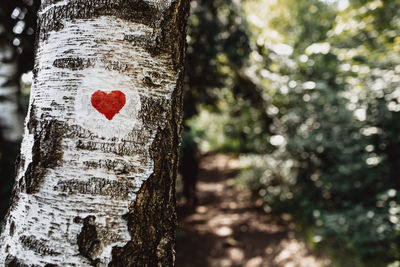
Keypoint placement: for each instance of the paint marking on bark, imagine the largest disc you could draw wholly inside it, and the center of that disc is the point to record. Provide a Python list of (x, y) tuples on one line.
[(108, 104), (104, 161), (103, 120)]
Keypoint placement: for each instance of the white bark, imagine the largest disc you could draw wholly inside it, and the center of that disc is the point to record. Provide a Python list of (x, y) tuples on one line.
[(80, 172)]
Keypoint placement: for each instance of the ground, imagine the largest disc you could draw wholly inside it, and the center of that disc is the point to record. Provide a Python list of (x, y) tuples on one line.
[(227, 229)]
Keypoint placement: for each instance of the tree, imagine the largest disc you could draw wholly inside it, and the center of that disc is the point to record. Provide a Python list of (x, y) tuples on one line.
[(11, 119), (96, 175), (17, 21)]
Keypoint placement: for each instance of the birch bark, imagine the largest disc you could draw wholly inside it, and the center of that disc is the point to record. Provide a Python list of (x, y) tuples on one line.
[(95, 183)]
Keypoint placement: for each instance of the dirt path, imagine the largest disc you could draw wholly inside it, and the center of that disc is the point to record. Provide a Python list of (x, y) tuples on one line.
[(227, 230)]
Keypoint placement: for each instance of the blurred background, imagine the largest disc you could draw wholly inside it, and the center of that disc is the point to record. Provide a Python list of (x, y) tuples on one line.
[(291, 143)]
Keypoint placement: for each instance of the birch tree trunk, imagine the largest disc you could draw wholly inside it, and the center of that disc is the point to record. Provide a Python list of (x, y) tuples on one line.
[(95, 184)]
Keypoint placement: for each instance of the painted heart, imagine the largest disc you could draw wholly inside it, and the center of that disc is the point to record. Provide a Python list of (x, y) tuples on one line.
[(108, 104)]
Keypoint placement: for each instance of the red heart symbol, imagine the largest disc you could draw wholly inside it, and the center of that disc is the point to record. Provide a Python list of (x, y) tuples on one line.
[(108, 104)]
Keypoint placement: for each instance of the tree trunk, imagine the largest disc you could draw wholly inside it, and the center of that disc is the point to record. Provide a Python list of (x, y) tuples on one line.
[(96, 177), (11, 118), (11, 114)]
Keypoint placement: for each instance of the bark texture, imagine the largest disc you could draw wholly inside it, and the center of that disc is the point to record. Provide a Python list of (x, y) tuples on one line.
[(90, 190)]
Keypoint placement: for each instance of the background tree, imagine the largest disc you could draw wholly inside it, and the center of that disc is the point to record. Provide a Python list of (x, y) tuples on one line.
[(95, 182), (218, 50), (17, 24)]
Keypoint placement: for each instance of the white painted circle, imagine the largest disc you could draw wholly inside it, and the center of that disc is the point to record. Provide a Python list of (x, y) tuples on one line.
[(91, 119)]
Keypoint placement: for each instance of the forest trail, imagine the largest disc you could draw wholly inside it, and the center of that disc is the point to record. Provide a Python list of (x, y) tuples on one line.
[(226, 229)]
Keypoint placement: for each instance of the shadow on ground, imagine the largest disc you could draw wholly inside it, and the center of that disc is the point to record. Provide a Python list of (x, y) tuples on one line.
[(226, 229)]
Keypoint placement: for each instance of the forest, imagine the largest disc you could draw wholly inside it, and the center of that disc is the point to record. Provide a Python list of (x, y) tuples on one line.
[(304, 95)]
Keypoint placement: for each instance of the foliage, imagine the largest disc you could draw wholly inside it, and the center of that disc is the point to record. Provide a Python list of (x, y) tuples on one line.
[(218, 49), (329, 77)]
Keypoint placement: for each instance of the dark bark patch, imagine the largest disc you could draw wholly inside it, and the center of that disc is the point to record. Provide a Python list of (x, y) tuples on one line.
[(118, 166), (88, 242), (78, 219), (46, 152), (72, 63), (115, 65), (38, 246), (96, 186), (149, 82), (151, 109), (12, 228), (173, 32), (12, 261), (120, 149)]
